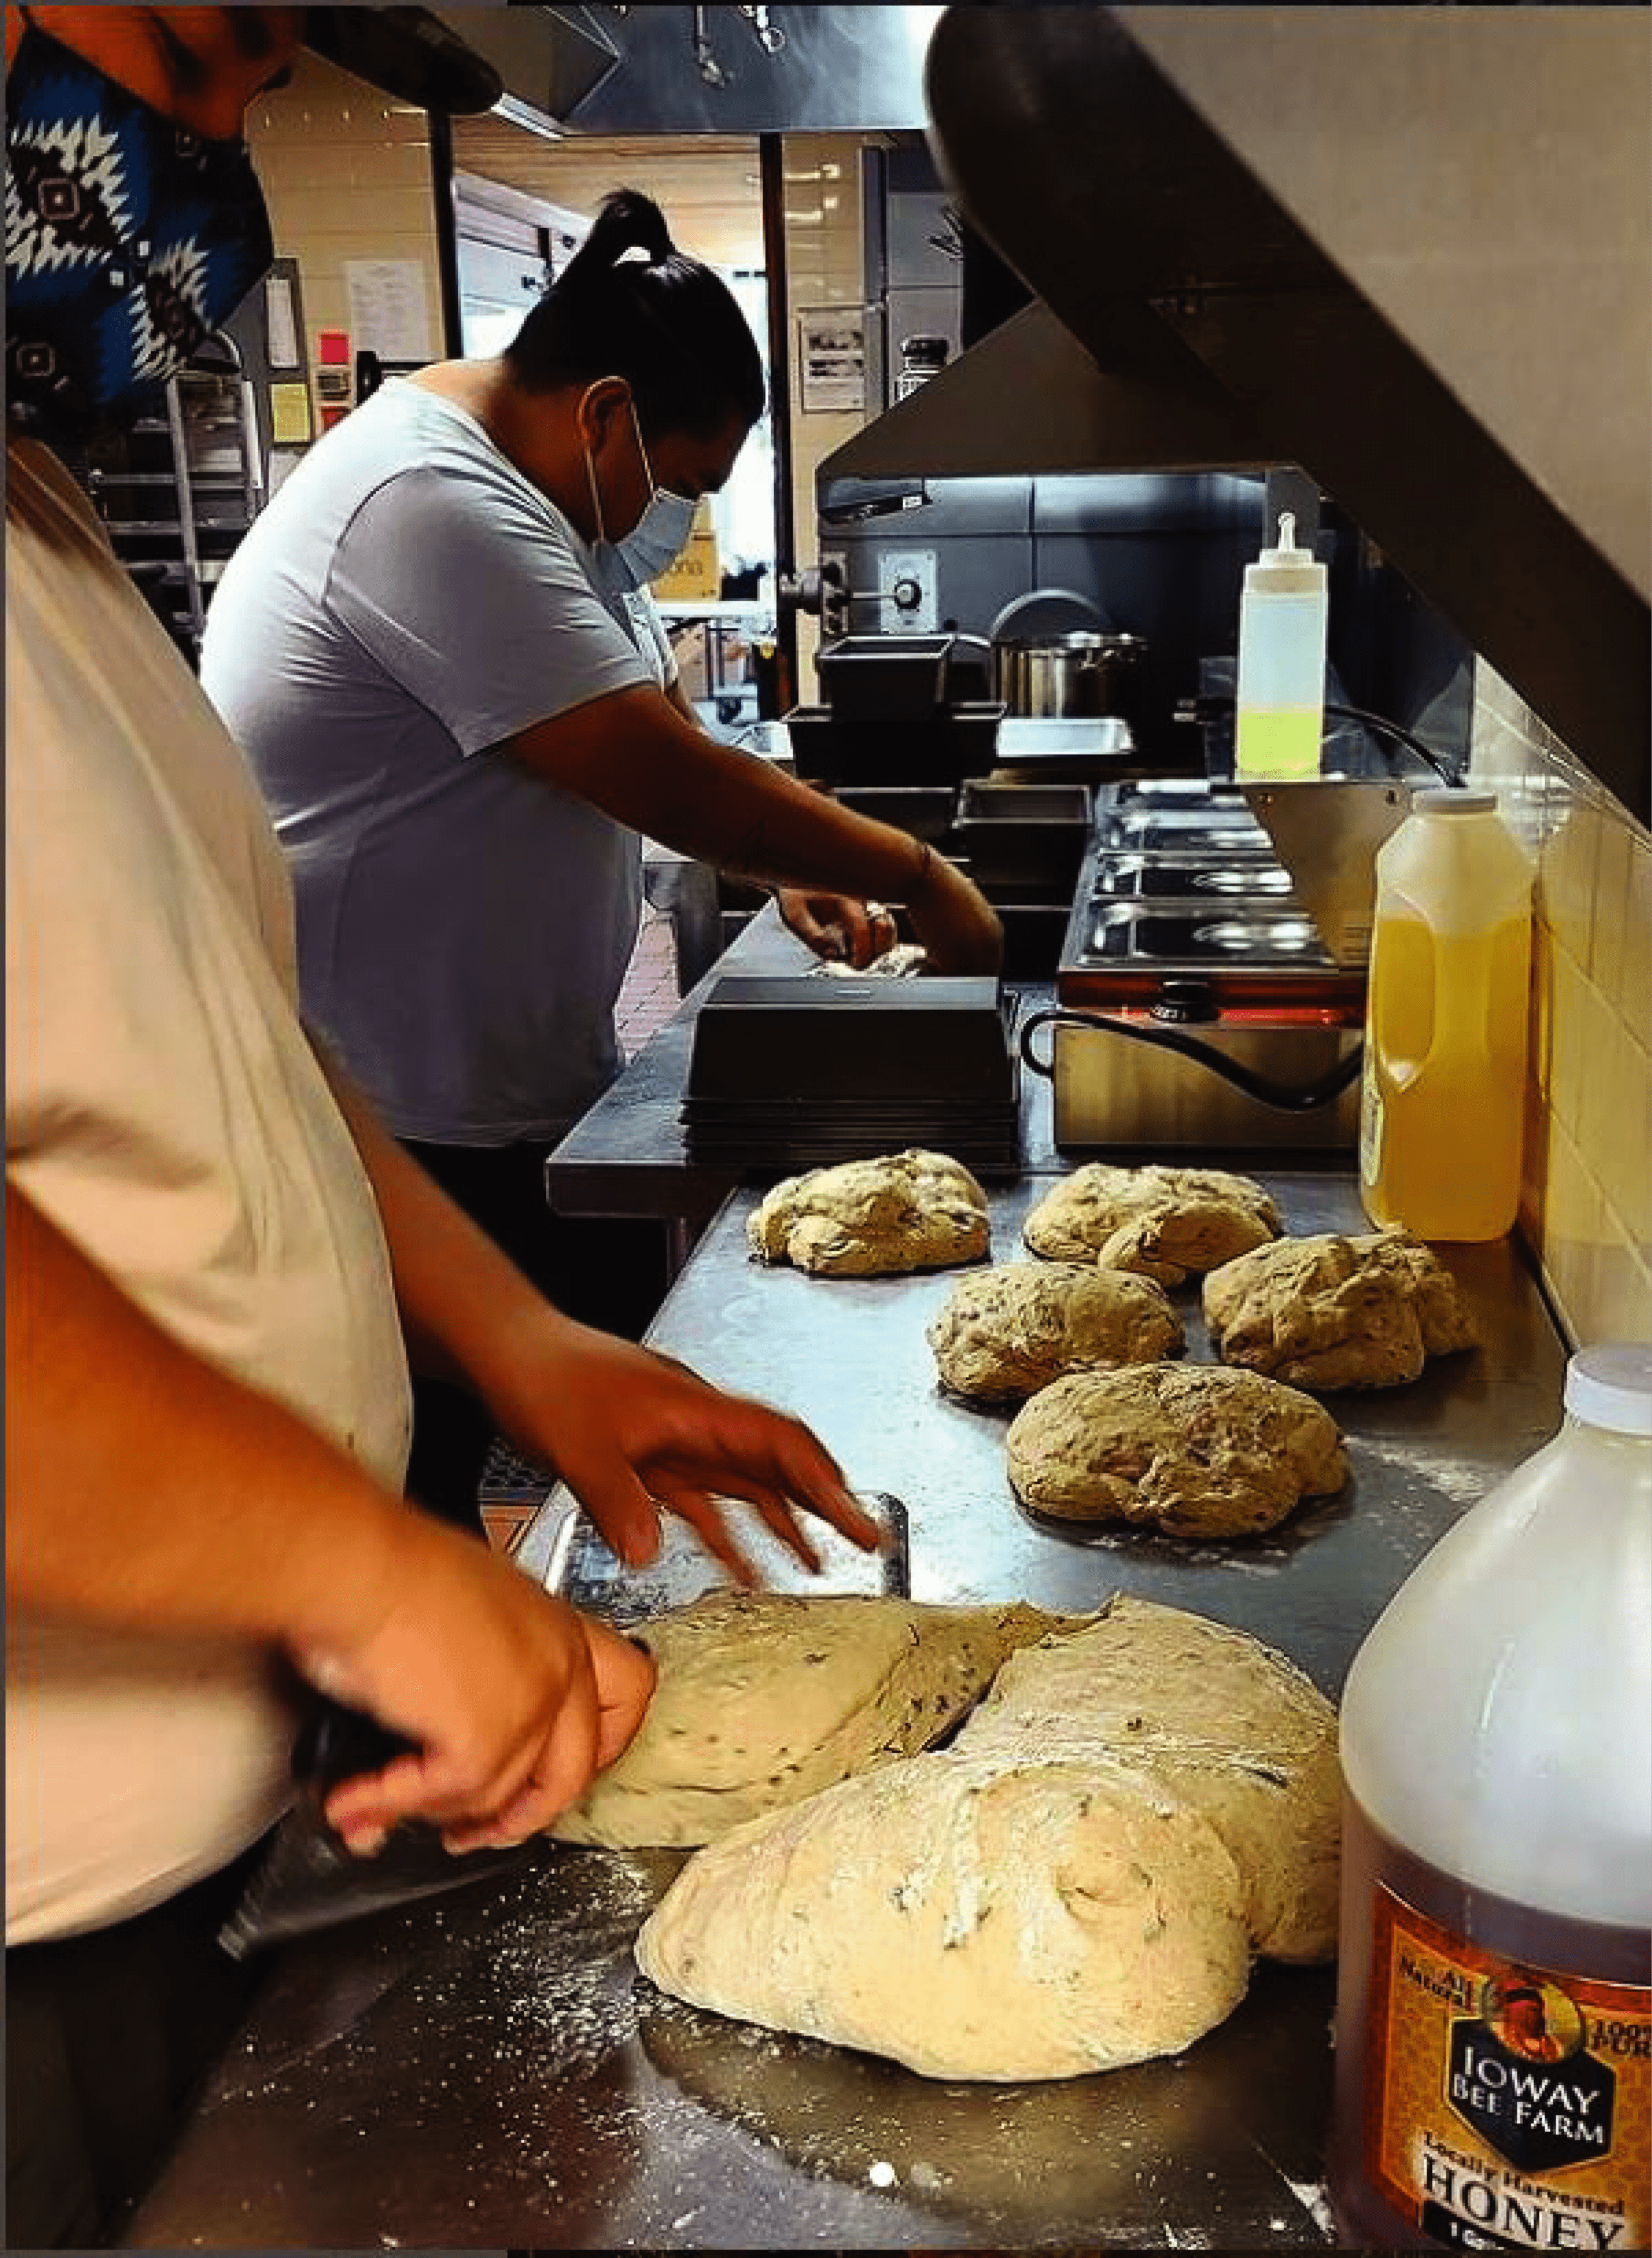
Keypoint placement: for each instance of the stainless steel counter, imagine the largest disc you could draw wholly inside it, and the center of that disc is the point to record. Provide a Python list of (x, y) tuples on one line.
[(489, 2068)]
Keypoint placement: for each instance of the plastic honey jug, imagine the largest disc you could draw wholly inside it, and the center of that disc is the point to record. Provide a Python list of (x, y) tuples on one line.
[(1442, 1099), (1280, 691), (1494, 1990)]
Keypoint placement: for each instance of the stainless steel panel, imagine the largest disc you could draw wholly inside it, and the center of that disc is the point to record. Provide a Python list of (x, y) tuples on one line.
[(1328, 831), (1112, 1092)]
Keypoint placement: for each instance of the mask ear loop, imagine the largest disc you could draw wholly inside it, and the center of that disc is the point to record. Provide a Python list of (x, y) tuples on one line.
[(591, 467), (642, 447)]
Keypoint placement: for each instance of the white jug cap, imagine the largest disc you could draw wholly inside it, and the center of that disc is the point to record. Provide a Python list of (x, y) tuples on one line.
[(1442, 799), (1611, 1386)]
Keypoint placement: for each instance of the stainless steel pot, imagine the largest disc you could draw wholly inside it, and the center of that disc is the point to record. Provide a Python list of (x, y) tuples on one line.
[(1084, 674)]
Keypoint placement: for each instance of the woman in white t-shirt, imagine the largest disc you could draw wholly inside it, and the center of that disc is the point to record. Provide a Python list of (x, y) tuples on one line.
[(437, 647)]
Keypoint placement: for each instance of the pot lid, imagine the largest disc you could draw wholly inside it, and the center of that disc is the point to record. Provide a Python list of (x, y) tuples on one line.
[(1045, 612)]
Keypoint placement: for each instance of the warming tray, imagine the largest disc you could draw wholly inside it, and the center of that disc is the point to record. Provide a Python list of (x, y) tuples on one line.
[(1172, 878), (1240, 932)]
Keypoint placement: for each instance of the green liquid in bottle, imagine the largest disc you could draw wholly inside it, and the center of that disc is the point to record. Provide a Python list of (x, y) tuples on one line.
[(1279, 740)]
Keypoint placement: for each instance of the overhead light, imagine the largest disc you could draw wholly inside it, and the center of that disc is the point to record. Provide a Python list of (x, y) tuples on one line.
[(918, 24)]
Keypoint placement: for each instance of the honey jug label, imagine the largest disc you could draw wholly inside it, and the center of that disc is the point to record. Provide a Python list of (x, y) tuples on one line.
[(1507, 2105)]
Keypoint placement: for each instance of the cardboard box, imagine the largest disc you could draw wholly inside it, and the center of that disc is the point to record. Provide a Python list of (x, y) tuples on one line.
[(697, 576)]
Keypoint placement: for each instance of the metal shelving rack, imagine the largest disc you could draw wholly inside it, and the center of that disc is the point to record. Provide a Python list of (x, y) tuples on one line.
[(181, 489)]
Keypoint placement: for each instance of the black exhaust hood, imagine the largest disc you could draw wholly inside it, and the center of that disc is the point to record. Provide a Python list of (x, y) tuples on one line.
[(1187, 317)]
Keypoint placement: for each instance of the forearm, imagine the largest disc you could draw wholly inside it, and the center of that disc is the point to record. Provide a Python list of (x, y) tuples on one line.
[(635, 757), (148, 1488), (463, 1304)]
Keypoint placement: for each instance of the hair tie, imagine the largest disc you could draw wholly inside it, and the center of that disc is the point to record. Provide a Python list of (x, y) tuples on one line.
[(635, 255)]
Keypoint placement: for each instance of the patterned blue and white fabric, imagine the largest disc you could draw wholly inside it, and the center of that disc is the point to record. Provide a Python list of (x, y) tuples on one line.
[(128, 240)]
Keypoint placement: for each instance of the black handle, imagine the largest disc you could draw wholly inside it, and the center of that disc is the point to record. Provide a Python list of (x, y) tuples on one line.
[(1284, 1100), (337, 1743)]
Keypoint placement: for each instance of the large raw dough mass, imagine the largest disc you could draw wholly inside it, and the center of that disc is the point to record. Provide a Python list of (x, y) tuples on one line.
[(1327, 1312), (1231, 1725), (1005, 1332), (1163, 1223), (1193, 1450), (1078, 1883), (764, 1697), (913, 1210)]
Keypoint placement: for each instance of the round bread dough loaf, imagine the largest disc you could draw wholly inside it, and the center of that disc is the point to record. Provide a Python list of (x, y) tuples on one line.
[(913, 1210), (970, 1919), (1327, 1312), (1077, 1883), (1231, 1726), (1191, 1450), (764, 1697), (1005, 1332), (1163, 1223)]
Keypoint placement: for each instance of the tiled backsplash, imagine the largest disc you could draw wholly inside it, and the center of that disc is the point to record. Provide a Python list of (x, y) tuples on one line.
[(1586, 1196)]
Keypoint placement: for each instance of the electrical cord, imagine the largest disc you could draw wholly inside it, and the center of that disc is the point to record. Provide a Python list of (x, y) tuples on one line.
[(1441, 768), (1302, 1100)]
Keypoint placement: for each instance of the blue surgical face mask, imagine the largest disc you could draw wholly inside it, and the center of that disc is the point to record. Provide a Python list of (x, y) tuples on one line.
[(655, 541), (128, 240)]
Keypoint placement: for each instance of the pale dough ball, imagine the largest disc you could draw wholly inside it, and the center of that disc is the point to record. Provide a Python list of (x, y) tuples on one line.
[(914, 1210), (1193, 1450), (1161, 1222), (1232, 1726), (1329, 1312), (971, 1920), (1005, 1332), (764, 1697)]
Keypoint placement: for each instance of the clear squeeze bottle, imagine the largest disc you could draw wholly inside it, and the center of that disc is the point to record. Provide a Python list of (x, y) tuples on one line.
[(1494, 2037), (1441, 1105), (1281, 693)]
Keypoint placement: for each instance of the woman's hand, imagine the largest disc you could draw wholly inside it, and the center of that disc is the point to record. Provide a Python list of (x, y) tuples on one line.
[(839, 927), (515, 1700), (951, 917), (629, 1430)]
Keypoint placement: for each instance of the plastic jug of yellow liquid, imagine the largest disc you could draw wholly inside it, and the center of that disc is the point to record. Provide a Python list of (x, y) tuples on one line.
[(1442, 1096), (1494, 1991), (1280, 691)]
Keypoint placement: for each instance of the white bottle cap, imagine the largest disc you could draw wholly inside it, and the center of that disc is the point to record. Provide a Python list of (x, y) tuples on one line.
[(1286, 571), (1611, 1386), (1442, 799)]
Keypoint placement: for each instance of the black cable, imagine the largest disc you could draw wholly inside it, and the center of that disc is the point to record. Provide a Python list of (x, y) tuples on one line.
[(1441, 769), (1253, 1085)]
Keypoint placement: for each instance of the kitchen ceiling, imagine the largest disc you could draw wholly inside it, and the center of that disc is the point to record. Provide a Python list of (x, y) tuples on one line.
[(708, 187)]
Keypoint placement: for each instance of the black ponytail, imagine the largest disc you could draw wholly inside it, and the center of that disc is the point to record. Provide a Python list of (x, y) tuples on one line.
[(629, 303)]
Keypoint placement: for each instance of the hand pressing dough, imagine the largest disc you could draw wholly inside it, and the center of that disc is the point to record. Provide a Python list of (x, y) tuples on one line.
[(1162, 1223), (1078, 1883), (764, 1697), (1190, 1449), (1004, 1333), (1330, 1313), (912, 1211)]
